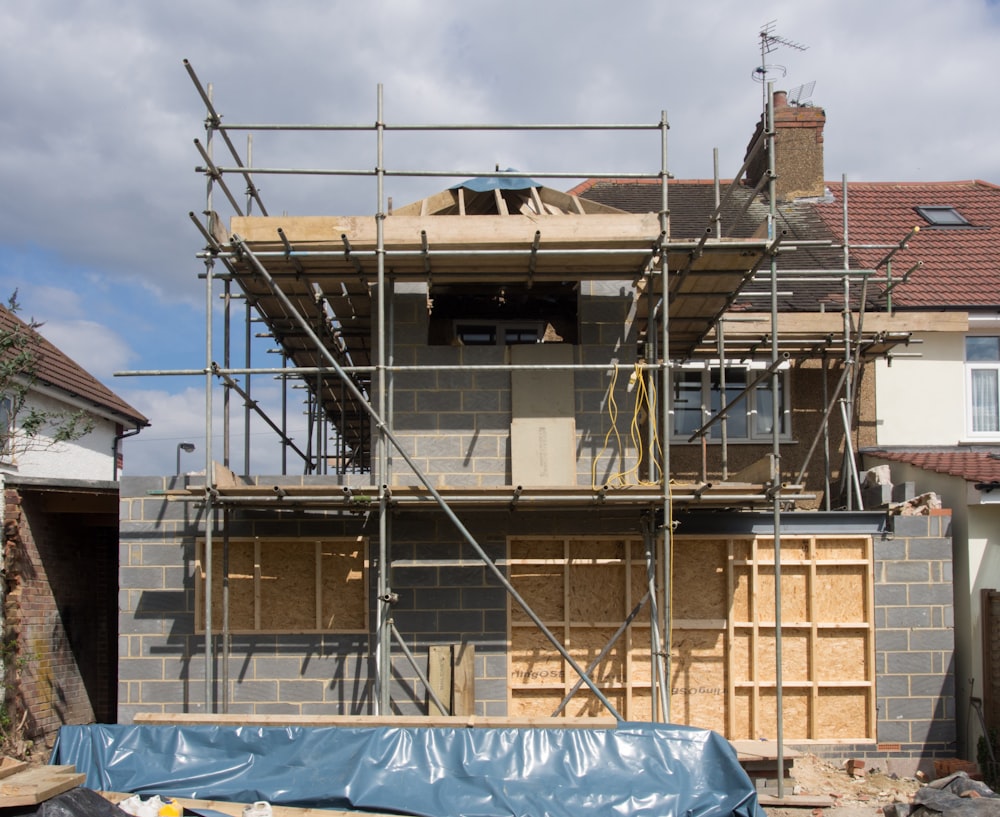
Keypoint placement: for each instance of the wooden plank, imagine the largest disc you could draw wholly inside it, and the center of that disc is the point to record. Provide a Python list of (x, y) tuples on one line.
[(797, 800), (464, 679), (455, 721), (822, 323), (37, 784), (439, 676), (10, 765), (452, 232)]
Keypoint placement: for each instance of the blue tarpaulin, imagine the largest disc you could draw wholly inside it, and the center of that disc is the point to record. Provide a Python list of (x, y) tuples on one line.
[(483, 184), (632, 770)]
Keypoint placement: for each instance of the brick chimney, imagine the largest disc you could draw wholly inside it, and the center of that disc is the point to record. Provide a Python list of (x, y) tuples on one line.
[(798, 138)]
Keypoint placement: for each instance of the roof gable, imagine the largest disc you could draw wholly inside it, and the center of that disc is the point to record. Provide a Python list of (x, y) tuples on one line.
[(58, 371)]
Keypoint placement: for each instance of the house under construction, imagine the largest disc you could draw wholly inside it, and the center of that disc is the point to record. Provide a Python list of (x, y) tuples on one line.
[(570, 455)]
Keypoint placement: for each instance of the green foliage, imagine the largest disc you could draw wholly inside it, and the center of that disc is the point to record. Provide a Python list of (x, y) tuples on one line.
[(21, 424)]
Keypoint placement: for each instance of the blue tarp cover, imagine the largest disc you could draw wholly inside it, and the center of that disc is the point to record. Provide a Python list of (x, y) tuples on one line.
[(483, 184), (634, 769)]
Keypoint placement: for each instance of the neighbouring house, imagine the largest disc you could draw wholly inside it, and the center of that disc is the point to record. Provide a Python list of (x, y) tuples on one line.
[(60, 525), (936, 407), (520, 499)]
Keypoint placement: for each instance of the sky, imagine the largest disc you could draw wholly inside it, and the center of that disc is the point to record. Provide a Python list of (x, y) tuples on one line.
[(98, 161)]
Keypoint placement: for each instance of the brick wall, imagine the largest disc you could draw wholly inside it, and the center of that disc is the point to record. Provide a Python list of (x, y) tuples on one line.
[(59, 611)]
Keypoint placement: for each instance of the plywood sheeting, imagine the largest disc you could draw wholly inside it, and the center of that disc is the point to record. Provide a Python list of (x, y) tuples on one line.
[(287, 585), (723, 645)]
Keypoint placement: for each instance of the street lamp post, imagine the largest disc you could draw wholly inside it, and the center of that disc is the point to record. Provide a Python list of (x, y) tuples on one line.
[(189, 447)]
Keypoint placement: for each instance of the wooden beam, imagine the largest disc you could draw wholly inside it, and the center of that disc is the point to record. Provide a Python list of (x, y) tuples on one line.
[(395, 721), (449, 232), (823, 323), (439, 676)]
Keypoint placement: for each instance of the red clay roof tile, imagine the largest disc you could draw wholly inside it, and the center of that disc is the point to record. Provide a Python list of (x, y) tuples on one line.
[(57, 370)]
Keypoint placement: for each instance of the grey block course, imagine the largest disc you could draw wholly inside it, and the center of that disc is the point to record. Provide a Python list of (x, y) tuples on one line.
[(932, 549), (909, 572), (909, 663), (908, 617)]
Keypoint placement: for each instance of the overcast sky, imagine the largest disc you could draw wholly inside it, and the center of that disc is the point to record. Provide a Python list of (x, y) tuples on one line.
[(97, 166)]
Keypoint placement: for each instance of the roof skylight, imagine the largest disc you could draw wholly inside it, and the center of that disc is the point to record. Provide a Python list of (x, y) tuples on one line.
[(942, 216)]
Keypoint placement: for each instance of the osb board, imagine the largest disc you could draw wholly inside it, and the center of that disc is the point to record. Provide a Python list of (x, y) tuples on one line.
[(533, 659), (793, 548), (838, 709), (344, 599), (585, 644), (241, 584), (841, 593), (838, 549), (795, 706), (698, 688), (584, 704), (722, 638), (541, 586), (844, 655), (289, 585), (597, 593), (699, 581), (795, 655), (794, 593)]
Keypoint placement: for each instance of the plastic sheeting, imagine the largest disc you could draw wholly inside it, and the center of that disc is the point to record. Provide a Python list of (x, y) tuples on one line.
[(634, 769), (484, 184)]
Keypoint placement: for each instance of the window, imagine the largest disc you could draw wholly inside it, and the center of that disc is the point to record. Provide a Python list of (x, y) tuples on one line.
[(982, 366), (502, 333), (698, 396), (289, 586), (942, 216)]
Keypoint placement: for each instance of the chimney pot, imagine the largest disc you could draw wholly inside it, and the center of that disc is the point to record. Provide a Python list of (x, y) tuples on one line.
[(780, 99)]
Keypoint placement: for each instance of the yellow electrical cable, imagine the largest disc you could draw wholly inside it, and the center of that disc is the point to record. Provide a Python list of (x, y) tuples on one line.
[(644, 398)]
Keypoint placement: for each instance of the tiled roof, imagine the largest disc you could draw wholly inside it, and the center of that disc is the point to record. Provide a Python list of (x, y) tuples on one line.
[(58, 371), (691, 203), (960, 265), (972, 466)]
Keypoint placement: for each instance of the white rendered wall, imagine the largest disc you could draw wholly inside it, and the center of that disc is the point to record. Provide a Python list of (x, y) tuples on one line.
[(89, 458), (921, 401)]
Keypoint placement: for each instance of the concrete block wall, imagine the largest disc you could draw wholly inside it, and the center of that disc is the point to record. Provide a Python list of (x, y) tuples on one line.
[(456, 424), (446, 596), (914, 649)]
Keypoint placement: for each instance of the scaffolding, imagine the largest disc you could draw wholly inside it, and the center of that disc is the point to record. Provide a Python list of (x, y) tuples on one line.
[(324, 290)]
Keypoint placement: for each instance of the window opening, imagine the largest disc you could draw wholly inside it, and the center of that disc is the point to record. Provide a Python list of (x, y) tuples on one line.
[(492, 315)]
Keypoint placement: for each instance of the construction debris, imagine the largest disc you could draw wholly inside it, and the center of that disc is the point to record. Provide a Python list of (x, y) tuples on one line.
[(956, 795)]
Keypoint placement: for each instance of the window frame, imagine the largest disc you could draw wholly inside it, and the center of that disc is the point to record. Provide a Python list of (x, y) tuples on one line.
[(971, 366), (930, 214), (752, 436), (499, 330)]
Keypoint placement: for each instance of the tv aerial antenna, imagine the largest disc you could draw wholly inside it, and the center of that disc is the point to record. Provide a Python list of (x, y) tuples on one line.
[(770, 42)]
